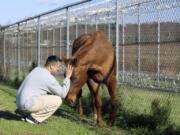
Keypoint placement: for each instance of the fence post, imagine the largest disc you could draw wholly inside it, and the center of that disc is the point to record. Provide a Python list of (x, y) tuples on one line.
[(4, 53), (139, 41), (38, 42), (123, 48), (96, 22), (117, 40), (11, 48), (76, 27), (31, 46), (41, 42), (47, 47), (86, 28), (109, 31), (60, 40), (27, 45), (18, 52), (54, 41), (23, 45), (67, 31), (14, 49), (158, 46), (109, 28)]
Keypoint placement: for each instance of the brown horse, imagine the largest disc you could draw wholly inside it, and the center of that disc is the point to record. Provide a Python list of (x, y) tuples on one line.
[(94, 63)]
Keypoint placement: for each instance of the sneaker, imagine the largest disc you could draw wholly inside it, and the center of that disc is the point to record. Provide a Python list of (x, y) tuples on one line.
[(31, 120), (23, 118), (22, 114)]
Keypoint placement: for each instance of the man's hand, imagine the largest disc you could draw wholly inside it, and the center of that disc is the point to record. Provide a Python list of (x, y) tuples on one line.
[(69, 71)]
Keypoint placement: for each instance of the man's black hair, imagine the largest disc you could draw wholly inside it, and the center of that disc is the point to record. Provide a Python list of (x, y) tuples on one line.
[(52, 59)]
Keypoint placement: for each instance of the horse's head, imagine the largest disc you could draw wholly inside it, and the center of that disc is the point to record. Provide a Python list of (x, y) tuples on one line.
[(78, 79)]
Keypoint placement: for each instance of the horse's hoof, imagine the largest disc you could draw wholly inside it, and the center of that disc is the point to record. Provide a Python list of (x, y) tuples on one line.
[(81, 116), (100, 124), (95, 116)]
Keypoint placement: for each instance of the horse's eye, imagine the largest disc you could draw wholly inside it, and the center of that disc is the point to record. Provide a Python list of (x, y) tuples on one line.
[(74, 79)]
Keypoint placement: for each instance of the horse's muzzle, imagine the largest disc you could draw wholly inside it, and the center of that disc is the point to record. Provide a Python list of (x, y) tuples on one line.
[(71, 102)]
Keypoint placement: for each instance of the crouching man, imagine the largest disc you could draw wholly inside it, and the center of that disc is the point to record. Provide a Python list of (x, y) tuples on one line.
[(40, 94)]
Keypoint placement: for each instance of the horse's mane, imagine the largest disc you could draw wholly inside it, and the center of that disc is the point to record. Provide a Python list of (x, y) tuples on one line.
[(81, 41), (83, 44)]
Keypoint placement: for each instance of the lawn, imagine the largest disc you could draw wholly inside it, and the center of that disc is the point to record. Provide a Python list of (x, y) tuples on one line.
[(64, 122), (139, 101)]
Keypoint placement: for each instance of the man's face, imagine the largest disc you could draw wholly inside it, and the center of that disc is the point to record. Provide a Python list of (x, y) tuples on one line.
[(55, 67)]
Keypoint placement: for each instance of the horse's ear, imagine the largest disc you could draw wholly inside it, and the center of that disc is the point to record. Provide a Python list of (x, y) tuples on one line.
[(65, 60), (71, 61)]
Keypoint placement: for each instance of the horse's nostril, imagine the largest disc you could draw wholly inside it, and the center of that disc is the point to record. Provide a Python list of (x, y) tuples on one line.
[(72, 104)]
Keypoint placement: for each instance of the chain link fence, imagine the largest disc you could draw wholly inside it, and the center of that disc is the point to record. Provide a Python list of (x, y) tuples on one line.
[(145, 34)]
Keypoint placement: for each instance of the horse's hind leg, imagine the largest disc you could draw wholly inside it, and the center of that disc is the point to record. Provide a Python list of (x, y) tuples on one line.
[(93, 105), (94, 87), (111, 84)]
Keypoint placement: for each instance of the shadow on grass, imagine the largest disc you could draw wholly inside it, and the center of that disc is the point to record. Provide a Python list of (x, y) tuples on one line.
[(155, 123), (87, 121), (9, 115), (170, 130), (73, 115)]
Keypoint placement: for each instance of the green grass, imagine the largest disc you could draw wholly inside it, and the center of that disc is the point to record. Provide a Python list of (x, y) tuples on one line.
[(139, 101), (64, 122)]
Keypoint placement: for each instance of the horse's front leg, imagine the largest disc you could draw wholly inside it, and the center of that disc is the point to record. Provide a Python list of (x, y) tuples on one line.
[(98, 105), (94, 107), (80, 104)]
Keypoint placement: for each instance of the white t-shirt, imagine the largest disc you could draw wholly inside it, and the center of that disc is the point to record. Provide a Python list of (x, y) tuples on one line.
[(39, 82)]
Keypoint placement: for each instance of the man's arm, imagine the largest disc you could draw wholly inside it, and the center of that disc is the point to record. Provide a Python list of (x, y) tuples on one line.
[(57, 89)]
